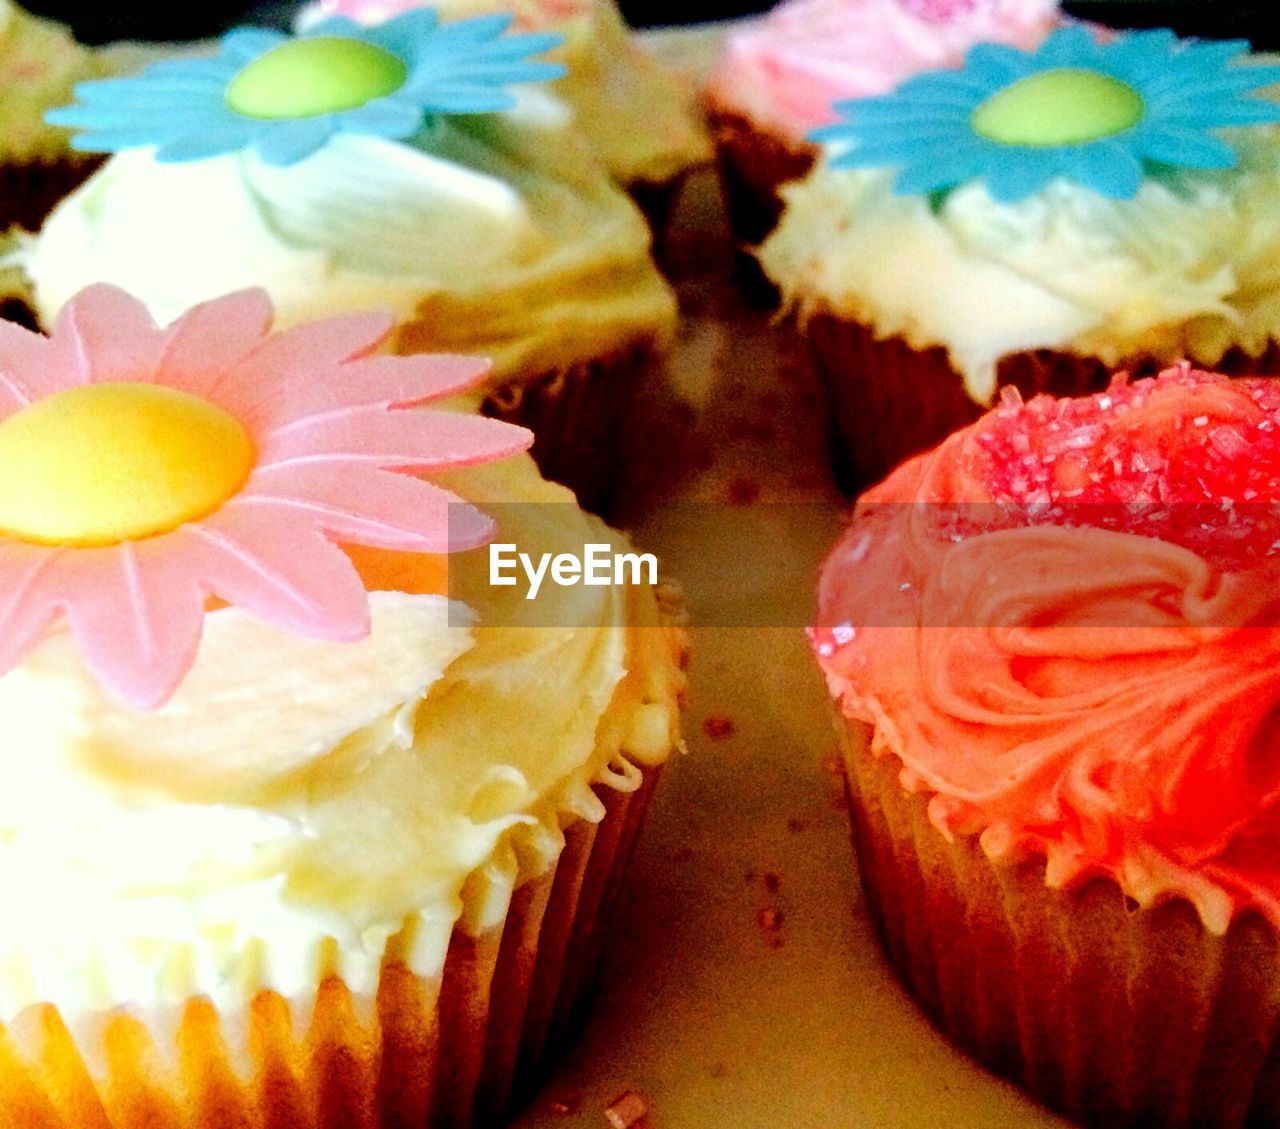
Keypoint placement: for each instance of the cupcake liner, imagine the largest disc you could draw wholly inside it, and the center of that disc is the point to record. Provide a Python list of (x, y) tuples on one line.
[(29, 192), (578, 416), (657, 199), (753, 165), (888, 401), (442, 1053), (1113, 1015)]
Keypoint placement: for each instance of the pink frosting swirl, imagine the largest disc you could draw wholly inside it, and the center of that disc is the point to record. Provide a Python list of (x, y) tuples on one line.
[(1098, 682), (787, 69)]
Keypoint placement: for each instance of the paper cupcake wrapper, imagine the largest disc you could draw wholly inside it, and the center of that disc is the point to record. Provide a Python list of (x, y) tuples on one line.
[(1114, 1016), (28, 192), (753, 165), (657, 199), (457, 1050), (578, 416), (888, 401)]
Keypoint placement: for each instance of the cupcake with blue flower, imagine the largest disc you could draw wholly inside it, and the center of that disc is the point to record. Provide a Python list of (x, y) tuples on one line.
[(413, 165), (1036, 219), (640, 116)]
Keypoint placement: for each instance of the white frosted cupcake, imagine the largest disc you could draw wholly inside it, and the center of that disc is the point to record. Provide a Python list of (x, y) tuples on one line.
[(1036, 219), (640, 116), (272, 850), (781, 75)]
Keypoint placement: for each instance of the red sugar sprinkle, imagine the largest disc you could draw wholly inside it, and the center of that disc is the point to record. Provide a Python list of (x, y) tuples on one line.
[(769, 919), (718, 727), (1172, 457)]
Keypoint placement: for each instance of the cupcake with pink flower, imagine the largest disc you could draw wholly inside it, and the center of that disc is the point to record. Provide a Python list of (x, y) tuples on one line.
[(417, 166), (780, 76), (271, 850)]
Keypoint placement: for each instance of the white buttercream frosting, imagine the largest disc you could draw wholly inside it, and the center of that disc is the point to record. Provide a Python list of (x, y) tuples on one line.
[(303, 807), (497, 235), (1189, 267)]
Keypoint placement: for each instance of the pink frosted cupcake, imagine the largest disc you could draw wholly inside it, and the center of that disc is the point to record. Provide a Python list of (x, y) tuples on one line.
[(1053, 645), (780, 75)]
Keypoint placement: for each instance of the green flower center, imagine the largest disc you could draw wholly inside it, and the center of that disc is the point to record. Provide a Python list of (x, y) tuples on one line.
[(1069, 106), (307, 77)]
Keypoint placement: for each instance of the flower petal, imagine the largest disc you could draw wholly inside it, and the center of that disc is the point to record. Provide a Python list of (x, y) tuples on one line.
[(137, 622), (1020, 176), (29, 600), (229, 138), (113, 333), (283, 363), (393, 381), (280, 570), (371, 507), (287, 142), (211, 339), (411, 439), (1189, 148), (32, 366)]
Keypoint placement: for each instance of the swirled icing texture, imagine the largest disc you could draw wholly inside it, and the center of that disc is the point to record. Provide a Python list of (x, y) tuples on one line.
[(640, 116), (495, 234), (1101, 698), (39, 64), (303, 807), (786, 69), (1188, 268)]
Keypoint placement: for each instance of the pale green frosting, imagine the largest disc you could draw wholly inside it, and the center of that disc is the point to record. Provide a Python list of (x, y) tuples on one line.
[(1189, 267), (302, 807), (39, 64), (498, 235)]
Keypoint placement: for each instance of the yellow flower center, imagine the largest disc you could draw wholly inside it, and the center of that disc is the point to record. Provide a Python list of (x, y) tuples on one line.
[(306, 77), (105, 463), (1068, 106)]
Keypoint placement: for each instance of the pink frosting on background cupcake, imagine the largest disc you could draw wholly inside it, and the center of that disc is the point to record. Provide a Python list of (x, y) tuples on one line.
[(786, 69)]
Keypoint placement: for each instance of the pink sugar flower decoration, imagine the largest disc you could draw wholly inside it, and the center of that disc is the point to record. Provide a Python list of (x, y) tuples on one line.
[(331, 431)]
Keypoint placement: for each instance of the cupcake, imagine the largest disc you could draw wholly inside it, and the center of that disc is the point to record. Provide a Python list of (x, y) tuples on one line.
[(352, 168), (273, 851), (1052, 642), (641, 117), (1034, 219), (779, 76), (39, 64)]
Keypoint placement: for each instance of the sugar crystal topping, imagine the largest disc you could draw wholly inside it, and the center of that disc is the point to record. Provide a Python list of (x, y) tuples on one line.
[(1188, 457)]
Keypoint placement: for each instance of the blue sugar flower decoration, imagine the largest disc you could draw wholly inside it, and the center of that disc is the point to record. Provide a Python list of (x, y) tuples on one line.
[(286, 96), (1101, 114)]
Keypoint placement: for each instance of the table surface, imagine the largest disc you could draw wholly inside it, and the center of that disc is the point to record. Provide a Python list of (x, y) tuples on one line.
[(743, 986)]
